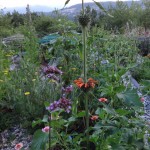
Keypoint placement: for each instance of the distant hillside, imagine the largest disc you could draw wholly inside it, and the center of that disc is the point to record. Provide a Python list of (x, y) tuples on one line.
[(72, 11)]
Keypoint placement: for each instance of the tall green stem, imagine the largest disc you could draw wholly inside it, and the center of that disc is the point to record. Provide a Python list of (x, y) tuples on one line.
[(87, 121), (85, 78), (84, 54), (49, 132), (83, 6)]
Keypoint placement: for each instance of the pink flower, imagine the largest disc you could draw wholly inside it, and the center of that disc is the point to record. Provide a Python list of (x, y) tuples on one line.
[(46, 129), (103, 100), (95, 117), (18, 146), (142, 99)]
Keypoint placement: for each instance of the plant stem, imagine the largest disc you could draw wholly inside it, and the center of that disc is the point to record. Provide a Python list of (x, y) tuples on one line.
[(87, 121), (83, 6), (85, 78), (49, 132), (84, 56)]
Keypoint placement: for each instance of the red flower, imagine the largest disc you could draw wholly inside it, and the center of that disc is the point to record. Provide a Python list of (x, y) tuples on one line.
[(18, 146), (80, 83), (142, 99), (103, 100), (95, 117), (46, 129)]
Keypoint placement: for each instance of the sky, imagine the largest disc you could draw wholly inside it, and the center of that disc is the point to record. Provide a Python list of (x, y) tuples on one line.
[(49, 3)]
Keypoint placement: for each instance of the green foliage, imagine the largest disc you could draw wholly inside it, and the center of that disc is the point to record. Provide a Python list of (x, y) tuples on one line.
[(140, 72), (40, 140), (17, 19), (27, 92)]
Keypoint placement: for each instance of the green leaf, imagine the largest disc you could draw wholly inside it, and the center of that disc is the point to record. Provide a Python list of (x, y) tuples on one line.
[(34, 123), (39, 140), (46, 104), (45, 118), (58, 123), (130, 97), (106, 126), (81, 114), (100, 112), (122, 112), (102, 8), (108, 109), (70, 120)]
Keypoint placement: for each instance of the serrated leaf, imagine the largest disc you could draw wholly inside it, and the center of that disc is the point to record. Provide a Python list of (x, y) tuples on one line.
[(130, 97), (39, 140), (108, 109), (102, 8)]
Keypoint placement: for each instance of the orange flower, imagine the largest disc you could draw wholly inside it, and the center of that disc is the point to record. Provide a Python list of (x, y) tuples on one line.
[(79, 82), (103, 100), (18, 146), (90, 84), (95, 117)]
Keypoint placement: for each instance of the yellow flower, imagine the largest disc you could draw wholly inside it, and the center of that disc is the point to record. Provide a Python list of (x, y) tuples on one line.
[(27, 93), (5, 71), (53, 81), (74, 69), (8, 55)]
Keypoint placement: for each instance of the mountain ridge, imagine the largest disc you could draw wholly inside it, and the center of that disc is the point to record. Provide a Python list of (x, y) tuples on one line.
[(68, 11)]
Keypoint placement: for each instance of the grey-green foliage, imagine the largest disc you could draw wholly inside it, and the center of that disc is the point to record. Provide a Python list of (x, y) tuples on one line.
[(145, 15)]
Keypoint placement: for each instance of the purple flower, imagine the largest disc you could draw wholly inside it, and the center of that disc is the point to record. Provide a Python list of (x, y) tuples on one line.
[(51, 69), (67, 89), (62, 103)]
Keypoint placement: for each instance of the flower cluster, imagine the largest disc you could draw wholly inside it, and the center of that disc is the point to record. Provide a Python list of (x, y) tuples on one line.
[(67, 90), (52, 72), (80, 83), (62, 103), (52, 69), (52, 76)]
